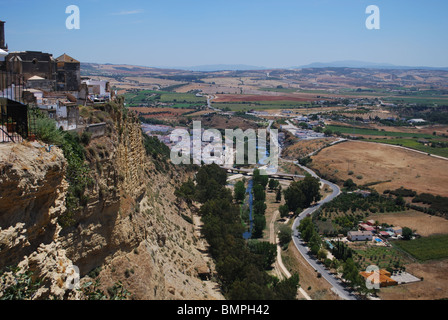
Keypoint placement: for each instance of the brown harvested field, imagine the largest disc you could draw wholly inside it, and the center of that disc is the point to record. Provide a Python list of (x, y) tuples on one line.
[(305, 147), (161, 113), (155, 81), (372, 163), (223, 122), (254, 98), (201, 113), (433, 287), (425, 224)]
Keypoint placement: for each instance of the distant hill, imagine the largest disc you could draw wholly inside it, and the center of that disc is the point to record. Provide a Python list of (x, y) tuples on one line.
[(221, 67), (363, 65)]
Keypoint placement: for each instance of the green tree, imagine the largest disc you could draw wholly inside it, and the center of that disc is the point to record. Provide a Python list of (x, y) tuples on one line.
[(259, 208), (259, 226), (287, 289), (273, 184), (278, 197), (260, 179), (351, 273), (407, 233), (294, 197), (399, 201), (311, 189), (267, 252), (350, 185), (186, 191), (302, 194), (284, 235), (210, 184), (322, 255), (259, 193), (240, 191), (284, 211)]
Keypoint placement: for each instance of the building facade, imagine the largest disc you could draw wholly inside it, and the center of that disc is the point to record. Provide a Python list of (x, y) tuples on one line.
[(68, 73), (360, 236)]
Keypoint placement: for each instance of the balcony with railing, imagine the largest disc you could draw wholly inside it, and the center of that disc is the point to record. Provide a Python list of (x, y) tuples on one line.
[(14, 118)]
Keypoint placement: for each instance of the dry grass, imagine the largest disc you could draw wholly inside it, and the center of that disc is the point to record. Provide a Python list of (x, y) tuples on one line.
[(162, 113), (424, 224), (434, 285), (374, 162), (224, 122), (317, 288), (305, 147)]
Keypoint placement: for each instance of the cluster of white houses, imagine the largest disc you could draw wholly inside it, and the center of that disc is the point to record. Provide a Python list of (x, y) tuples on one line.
[(367, 231), (35, 79)]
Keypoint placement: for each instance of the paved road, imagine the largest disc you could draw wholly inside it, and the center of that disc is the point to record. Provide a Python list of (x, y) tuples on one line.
[(338, 287)]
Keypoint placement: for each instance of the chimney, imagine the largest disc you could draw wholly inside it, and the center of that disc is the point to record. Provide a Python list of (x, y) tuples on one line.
[(3, 46)]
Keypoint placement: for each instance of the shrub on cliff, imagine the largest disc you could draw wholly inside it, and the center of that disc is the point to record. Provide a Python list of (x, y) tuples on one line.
[(47, 132)]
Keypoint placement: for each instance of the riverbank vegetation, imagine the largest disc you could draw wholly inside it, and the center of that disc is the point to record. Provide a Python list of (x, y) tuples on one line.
[(241, 265)]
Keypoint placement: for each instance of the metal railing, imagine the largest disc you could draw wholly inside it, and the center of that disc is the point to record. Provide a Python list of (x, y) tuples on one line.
[(13, 113)]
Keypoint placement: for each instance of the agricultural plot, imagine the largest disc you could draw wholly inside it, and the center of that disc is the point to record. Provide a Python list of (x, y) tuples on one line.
[(261, 105), (373, 132), (424, 224), (414, 144), (425, 249), (383, 257), (345, 212), (145, 97), (388, 167)]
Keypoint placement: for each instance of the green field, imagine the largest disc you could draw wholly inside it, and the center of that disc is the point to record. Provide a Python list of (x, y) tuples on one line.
[(178, 99), (417, 100), (261, 105), (424, 249), (181, 97), (373, 132), (383, 257), (413, 144)]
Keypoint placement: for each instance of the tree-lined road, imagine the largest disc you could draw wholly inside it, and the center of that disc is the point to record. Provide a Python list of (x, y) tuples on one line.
[(339, 288)]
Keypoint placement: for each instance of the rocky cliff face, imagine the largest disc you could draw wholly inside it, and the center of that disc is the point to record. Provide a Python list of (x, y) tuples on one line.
[(131, 229)]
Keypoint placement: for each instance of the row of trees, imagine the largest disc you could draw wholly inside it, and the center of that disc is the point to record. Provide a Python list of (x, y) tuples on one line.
[(342, 260), (241, 265)]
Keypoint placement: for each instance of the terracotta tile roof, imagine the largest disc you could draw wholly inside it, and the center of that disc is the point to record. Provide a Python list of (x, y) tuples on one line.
[(384, 278)]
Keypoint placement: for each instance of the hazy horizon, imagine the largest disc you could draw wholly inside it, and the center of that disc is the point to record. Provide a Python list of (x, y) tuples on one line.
[(268, 34)]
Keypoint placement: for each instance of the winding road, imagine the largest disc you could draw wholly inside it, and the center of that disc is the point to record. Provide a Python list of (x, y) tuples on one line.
[(338, 287)]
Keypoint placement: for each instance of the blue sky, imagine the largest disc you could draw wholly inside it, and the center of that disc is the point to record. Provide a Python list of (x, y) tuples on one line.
[(281, 33)]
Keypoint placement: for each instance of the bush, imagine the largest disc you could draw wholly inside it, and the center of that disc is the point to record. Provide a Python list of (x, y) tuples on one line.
[(285, 235), (86, 137), (23, 286), (47, 132)]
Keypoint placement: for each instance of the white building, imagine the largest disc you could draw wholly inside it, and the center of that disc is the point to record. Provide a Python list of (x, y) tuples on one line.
[(360, 236), (98, 90), (414, 121)]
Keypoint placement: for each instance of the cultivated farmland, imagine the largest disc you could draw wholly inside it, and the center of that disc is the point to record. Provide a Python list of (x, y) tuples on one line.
[(424, 249)]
